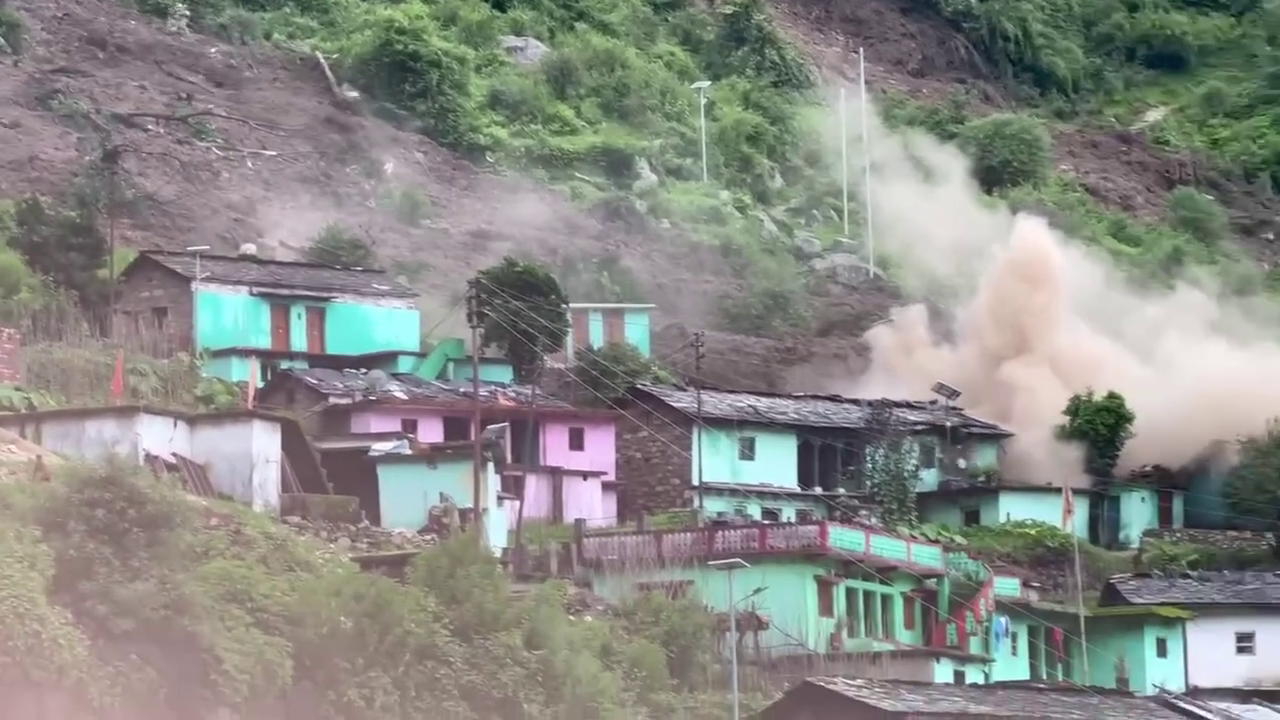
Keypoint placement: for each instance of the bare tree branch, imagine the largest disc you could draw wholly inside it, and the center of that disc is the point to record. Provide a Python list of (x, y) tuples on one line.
[(186, 118)]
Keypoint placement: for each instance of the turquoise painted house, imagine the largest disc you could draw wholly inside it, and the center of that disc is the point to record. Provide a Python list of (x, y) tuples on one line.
[(783, 458), (594, 325), (415, 480), (250, 316), (872, 604), (1111, 514)]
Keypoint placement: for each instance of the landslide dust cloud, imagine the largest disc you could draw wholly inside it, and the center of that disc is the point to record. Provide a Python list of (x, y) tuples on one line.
[(1038, 316)]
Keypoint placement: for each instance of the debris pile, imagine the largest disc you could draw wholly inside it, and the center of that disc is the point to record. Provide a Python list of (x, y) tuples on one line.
[(358, 539)]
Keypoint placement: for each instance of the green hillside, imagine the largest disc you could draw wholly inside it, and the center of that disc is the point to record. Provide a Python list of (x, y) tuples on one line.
[(609, 114)]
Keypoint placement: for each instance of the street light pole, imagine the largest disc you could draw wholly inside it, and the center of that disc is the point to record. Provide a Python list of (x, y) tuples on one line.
[(701, 86), (728, 566)]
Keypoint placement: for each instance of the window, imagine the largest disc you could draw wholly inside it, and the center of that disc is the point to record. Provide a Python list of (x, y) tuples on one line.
[(928, 454), (409, 426), (747, 447), (869, 599), (160, 317), (805, 516), (577, 439), (970, 517), (1013, 643), (457, 429), (909, 612), (1245, 643), (1162, 648), (771, 515), (957, 676), (826, 598), (886, 617)]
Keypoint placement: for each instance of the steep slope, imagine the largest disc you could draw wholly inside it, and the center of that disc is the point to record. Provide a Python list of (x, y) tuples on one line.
[(913, 51), (230, 144)]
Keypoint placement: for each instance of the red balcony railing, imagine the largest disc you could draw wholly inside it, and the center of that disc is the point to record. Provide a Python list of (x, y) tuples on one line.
[(667, 547)]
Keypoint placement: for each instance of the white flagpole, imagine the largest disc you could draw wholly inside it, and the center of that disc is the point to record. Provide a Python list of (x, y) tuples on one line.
[(844, 158), (866, 149)]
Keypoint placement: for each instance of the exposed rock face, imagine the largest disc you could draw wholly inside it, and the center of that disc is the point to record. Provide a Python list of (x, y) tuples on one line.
[(358, 539)]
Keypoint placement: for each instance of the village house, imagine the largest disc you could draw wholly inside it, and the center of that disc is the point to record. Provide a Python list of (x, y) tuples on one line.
[(782, 458), (871, 603), (842, 698), (594, 325), (1236, 623), (256, 458), (251, 316), (556, 463), (1106, 513), (861, 594)]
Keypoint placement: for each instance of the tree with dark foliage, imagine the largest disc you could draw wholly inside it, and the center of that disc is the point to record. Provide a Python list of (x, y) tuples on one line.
[(523, 311)]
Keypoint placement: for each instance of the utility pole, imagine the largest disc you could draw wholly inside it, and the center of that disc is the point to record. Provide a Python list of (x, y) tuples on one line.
[(698, 355), (477, 444)]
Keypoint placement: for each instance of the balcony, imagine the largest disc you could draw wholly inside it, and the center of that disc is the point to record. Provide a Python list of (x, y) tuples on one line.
[(879, 550)]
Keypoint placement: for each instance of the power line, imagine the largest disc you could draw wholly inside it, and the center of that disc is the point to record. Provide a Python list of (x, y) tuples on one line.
[(1085, 646)]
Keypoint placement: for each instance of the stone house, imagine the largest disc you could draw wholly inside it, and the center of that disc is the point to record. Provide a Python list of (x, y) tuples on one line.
[(251, 316), (781, 457)]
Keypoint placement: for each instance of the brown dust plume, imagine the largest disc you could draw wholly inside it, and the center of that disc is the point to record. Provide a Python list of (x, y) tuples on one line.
[(1039, 316)]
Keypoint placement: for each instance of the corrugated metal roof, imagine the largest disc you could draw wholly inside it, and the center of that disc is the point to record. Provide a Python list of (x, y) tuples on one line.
[(831, 411), (301, 276), (360, 385)]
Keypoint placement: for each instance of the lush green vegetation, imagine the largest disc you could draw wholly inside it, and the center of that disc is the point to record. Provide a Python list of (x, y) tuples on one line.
[(1198, 74), (608, 112), (1102, 424), (119, 590)]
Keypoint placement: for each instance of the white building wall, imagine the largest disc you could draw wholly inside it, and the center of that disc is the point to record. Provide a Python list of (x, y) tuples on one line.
[(162, 435), (1212, 661), (91, 438), (242, 455)]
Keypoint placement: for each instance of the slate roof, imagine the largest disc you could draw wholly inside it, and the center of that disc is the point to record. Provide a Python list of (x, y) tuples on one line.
[(359, 386), (313, 277), (1199, 588), (817, 411), (987, 701)]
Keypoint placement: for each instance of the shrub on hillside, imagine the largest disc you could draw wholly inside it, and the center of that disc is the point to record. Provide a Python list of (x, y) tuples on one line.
[(1199, 216), (337, 245), (1007, 150), (121, 591)]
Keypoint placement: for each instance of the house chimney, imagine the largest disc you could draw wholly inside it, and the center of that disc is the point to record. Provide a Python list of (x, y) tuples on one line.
[(248, 250)]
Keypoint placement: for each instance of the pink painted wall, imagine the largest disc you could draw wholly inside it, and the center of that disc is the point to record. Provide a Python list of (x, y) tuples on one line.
[(430, 425), (583, 498), (598, 451)]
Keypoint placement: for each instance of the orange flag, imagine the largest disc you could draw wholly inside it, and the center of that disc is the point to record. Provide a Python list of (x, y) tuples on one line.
[(117, 379), (253, 383)]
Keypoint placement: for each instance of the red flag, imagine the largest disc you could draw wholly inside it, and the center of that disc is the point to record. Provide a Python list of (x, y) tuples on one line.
[(253, 384), (117, 380), (1068, 510)]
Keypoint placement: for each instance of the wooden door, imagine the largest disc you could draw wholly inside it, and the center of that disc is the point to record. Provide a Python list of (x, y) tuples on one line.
[(280, 327), (1164, 508), (315, 330), (615, 326), (581, 329)]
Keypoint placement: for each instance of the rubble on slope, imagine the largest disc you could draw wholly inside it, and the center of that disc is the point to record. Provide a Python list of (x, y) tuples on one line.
[(359, 539)]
